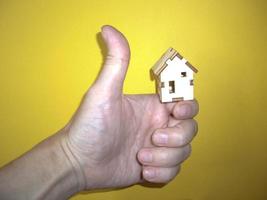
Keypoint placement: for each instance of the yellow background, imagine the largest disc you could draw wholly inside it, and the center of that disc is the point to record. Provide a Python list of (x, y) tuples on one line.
[(49, 56)]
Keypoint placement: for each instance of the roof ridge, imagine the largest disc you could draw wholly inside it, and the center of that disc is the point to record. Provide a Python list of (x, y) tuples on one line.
[(171, 53)]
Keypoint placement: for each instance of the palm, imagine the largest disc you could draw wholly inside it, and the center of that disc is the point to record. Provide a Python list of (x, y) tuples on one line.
[(142, 115), (129, 122)]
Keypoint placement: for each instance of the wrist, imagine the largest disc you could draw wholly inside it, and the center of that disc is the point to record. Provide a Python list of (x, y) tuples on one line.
[(44, 172), (75, 167), (62, 182)]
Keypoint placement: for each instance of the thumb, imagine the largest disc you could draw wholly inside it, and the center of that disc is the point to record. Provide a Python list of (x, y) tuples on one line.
[(112, 75)]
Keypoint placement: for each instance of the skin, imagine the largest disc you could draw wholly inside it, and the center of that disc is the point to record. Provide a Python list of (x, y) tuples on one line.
[(112, 141)]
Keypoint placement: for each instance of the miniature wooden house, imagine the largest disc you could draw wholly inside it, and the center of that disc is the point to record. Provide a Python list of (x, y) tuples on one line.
[(174, 77)]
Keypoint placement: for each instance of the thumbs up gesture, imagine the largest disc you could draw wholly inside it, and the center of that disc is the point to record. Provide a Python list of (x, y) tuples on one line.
[(117, 140)]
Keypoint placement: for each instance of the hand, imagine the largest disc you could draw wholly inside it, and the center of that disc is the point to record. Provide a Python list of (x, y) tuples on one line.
[(117, 140), (113, 140)]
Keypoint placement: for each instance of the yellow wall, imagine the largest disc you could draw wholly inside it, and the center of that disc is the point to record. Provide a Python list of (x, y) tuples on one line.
[(49, 55)]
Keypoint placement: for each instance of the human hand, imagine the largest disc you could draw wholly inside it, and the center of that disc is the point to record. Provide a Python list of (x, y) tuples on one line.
[(116, 140)]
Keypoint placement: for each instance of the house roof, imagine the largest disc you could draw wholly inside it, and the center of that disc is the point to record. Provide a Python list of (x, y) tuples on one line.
[(169, 54)]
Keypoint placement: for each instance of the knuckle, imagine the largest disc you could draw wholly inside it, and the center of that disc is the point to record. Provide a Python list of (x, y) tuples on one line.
[(169, 178), (172, 173), (196, 107), (195, 125), (191, 126), (164, 175), (187, 151)]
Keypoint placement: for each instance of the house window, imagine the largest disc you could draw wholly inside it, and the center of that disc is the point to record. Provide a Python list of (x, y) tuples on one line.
[(183, 74), (192, 82), (171, 87), (162, 85)]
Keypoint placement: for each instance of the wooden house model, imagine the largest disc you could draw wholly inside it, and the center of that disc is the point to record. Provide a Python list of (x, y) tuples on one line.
[(174, 77)]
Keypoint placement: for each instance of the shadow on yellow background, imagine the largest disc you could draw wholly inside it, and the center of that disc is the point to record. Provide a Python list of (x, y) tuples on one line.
[(49, 56)]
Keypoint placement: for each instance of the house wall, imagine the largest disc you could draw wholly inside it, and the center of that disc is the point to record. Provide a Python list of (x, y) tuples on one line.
[(182, 84)]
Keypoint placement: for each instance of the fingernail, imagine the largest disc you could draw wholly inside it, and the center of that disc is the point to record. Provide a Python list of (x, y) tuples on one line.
[(184, 110), (146, 157), (161, 138), (149, 173)]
